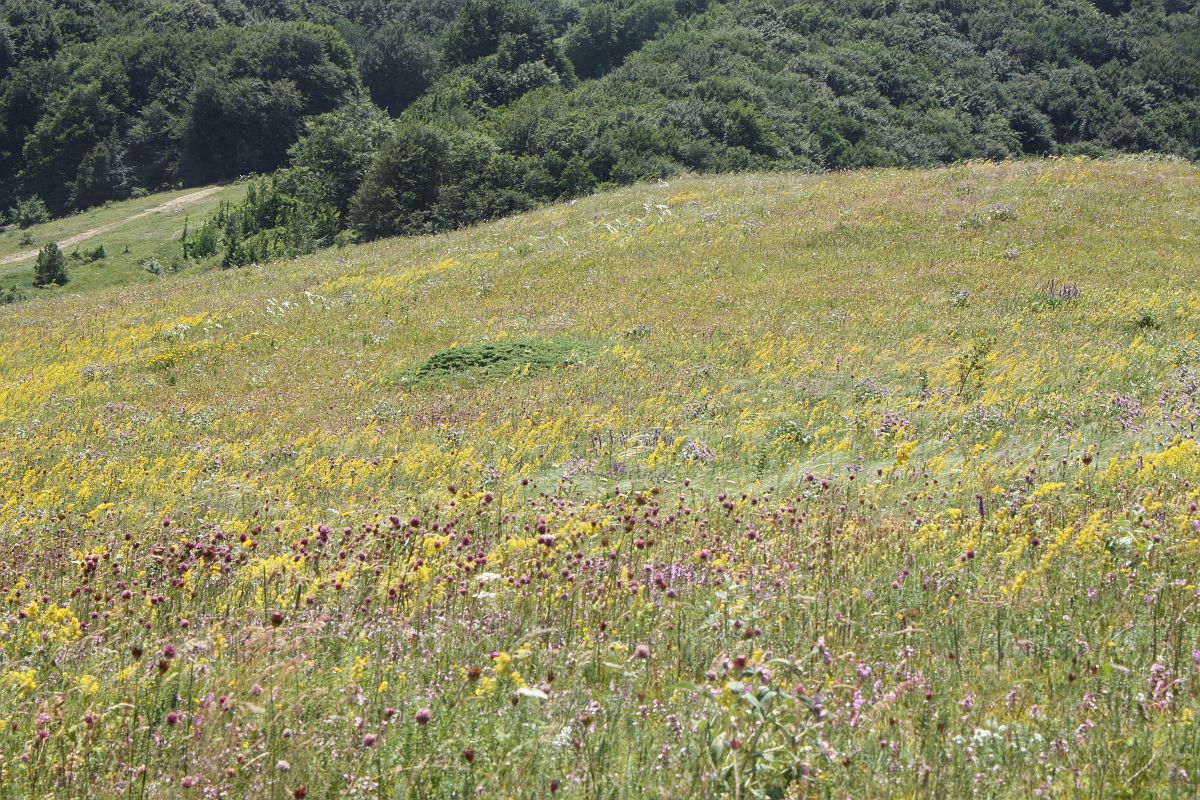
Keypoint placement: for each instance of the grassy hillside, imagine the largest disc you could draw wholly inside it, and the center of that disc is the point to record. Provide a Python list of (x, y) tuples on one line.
[(864, 484), (132, 232)]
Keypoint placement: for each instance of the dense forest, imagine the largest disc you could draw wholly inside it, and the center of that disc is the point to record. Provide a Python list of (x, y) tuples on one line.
[(383, 117)]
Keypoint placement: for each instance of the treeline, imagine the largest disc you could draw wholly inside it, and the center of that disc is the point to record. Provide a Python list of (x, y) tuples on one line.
[(86, 121), (397, 116)]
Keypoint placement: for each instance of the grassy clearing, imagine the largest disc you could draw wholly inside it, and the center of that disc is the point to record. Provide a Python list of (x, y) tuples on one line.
[(129, 235), (852, 500)]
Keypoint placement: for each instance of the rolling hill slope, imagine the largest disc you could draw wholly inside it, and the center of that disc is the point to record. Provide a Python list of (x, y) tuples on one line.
[(776, 485)]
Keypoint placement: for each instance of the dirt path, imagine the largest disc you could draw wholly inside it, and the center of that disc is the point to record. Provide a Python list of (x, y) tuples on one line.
[(170, 205)]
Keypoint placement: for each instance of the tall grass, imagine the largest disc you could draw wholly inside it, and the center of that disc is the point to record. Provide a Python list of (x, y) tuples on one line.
[(838, 504)]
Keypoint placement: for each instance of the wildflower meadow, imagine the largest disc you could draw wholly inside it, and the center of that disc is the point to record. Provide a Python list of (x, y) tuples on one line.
[(867, 484)]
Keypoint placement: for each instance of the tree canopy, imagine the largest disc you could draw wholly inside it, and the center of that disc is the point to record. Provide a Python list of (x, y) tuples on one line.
[(494, 105)]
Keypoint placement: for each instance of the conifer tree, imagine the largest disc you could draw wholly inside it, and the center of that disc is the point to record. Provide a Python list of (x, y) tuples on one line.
[(51, 267)]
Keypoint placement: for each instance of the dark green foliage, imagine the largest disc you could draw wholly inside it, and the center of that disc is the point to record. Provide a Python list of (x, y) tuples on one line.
[(608, 33), (336, 151), (154, 143), (576, 178), (300, 209), (282, 216), (495, 359), (32, 30), (147, 104), (494, 52), (243, 119), (592, 42), (427, 179), (7, 50), (396, 67), (188, 15), (504, 104), (102, 174), (203, 242), (240, 249), (508, 29), (403, 183), (1173, 61), (28, 212), (238, 126), (62, 140), (314, 59), (51, 267)]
